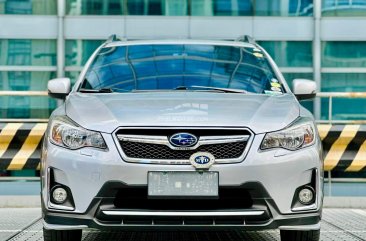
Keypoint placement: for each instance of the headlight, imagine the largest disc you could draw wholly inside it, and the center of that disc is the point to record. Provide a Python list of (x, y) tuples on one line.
[(292, 138), (67, 134)]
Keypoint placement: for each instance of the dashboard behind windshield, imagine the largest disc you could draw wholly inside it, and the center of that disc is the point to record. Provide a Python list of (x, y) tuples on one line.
[(169, 66)]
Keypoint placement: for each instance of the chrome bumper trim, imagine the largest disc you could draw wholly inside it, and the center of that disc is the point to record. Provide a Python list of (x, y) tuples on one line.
[(182, 214)]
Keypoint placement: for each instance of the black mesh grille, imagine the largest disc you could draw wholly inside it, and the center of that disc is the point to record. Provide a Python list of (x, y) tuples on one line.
[(250, 196), (157, 151), (230, 198)]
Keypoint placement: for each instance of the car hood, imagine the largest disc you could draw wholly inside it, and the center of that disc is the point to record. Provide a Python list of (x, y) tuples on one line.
[(106, 111)]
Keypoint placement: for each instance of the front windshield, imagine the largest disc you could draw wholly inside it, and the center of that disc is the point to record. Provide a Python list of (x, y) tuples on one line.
[(173, 66)]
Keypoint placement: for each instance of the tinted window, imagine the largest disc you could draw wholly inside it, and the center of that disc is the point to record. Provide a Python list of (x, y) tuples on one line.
[(154, 67)]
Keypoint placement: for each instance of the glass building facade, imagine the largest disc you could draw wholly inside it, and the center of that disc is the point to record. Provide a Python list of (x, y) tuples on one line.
[(191, 7), (301, 35)]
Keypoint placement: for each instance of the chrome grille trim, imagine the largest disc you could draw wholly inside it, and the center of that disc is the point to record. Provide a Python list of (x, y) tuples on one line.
[(164, 139)]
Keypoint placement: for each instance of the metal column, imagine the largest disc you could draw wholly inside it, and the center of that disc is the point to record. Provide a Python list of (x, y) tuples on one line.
[(60, 39), (317, 55)]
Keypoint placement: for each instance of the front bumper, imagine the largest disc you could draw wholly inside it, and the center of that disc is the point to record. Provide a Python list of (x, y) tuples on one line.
[(94, 176), (57, 221), (262, 213)]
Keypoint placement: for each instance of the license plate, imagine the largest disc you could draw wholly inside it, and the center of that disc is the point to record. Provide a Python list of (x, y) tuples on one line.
[(183, 184)]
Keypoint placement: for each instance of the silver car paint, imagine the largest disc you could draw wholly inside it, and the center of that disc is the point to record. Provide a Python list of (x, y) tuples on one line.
[(105, 112)]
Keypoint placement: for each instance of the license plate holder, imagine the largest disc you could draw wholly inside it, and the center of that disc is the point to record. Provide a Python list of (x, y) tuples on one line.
[(182, 185)]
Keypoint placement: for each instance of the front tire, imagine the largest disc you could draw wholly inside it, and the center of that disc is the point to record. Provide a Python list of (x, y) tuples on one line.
[(295, 235), (61, 235)]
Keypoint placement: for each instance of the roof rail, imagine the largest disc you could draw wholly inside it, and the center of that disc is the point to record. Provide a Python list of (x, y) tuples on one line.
[(247, 39), (112, 38)]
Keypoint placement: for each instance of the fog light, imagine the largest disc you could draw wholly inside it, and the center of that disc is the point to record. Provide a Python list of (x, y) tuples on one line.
[(59, 195), (306, 195)]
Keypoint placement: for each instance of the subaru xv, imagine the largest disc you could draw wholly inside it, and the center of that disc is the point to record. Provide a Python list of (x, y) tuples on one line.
[(181, 135)]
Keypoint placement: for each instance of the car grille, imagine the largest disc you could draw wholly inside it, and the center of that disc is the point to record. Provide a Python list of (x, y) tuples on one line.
[(155, 151), (152, 145), (231, 199), (136, 198)]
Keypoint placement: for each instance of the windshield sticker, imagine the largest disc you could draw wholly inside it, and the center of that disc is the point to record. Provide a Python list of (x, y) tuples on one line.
[(272, 92), (276, 89), (256, 50), (258, 55), (275, 84), (274, 80)]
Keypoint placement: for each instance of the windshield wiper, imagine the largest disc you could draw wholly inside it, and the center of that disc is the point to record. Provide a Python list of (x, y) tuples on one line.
[(198, 87), (103, 90)]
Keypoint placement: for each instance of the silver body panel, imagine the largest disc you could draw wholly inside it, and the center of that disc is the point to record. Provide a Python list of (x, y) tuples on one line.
[(258, 112)]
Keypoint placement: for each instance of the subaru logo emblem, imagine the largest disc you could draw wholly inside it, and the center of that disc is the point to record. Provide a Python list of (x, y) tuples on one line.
[(183, 140), (202, 160)]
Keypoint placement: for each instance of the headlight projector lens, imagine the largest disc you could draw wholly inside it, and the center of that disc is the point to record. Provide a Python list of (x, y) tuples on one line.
[(59, 195)]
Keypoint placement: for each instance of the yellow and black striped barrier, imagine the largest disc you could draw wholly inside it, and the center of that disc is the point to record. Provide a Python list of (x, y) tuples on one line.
[(20, 145), (344, 146)]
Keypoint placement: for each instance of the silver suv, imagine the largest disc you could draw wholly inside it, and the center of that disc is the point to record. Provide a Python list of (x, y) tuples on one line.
[(181, 134)]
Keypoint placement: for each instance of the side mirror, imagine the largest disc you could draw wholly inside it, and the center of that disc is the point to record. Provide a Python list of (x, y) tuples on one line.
[(304, 89), (59, 88)]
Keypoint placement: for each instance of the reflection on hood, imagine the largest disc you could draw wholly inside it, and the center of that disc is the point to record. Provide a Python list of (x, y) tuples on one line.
[(106, 112)]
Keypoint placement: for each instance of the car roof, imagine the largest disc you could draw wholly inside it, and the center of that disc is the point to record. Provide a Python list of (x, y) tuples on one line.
[(180, 41)]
